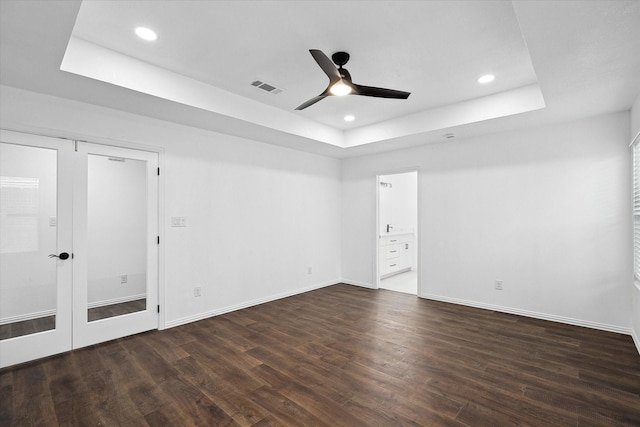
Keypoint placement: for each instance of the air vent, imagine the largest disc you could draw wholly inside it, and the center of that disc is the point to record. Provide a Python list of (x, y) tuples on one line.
[(267, 87)]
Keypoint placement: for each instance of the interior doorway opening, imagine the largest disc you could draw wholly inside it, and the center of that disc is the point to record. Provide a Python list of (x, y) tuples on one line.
[(398, 232)]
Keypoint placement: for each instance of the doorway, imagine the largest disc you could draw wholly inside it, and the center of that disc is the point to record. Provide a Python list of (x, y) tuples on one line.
[(397, 230), (79, 251)]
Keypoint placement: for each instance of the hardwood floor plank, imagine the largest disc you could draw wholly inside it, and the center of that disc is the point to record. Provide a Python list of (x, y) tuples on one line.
[(580, 389), (504, 402), (338, 356), (418, 404), (169, 415), (33, 410), (371, 415), (243, 410), (200, 409), (30, 378), (279, 375), (284, 410), (165, 347), (227, 372), (6, 404), (146, 357), (475, 413), (317, 404)]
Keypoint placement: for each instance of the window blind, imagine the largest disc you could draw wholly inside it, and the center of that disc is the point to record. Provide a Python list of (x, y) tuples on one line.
[(636, 210)]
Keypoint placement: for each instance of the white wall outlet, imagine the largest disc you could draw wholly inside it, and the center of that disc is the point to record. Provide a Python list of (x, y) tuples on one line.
[(498, 285), (309, 270), (197, 291), (123, 278), (178, 221)]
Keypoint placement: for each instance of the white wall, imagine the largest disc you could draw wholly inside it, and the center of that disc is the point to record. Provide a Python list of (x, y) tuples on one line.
[(546, 210), (635, 322), (258, 215)]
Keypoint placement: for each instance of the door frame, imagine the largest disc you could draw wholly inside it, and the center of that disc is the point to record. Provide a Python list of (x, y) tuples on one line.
[(71, 138), (161, 204), (87, 333), (418, 241)]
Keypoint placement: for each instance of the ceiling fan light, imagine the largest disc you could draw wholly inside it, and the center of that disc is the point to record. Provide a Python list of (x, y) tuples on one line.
[(340, 89)]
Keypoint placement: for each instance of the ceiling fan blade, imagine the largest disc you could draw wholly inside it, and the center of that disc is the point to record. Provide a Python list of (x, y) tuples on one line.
[(326, 64), (379, 92), (311, 101)]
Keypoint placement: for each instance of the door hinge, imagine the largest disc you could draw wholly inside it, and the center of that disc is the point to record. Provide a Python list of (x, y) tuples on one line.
[(158, 239), (75, 144), (158, 171), (158, 308)]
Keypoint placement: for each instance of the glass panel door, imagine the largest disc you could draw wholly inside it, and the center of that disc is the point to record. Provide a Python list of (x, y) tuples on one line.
[(116, 236), (116, 218), (35, 247)]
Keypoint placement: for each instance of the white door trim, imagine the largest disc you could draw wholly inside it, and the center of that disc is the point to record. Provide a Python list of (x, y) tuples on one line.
[(418, 241), (84, 332)]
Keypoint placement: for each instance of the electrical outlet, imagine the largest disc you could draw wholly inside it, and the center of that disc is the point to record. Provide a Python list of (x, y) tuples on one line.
[(309, 270), (123, 278), (197, 291), (498, 285)]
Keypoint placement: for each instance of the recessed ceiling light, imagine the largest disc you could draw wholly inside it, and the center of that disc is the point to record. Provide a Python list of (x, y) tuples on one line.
[(349, 118), (487, 78), (146, 34)]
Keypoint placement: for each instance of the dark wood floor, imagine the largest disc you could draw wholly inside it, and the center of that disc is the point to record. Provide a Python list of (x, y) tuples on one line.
[(338, 356)]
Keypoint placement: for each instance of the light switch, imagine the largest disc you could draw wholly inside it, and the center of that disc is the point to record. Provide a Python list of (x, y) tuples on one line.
[(178, 221), (53, 221)]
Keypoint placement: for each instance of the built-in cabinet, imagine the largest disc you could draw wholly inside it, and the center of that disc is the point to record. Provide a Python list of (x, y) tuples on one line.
[(396, 254)]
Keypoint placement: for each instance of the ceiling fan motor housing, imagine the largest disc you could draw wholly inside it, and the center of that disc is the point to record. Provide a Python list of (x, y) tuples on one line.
[(340, 58)]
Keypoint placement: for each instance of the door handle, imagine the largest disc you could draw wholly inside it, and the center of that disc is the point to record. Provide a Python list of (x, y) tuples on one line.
[(63, 255)]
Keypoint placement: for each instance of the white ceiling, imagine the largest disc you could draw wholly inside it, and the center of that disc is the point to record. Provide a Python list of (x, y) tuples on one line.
[(582, 57), (434, 50)]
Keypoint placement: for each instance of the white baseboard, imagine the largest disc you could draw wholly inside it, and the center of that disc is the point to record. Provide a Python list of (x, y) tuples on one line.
[(116, 300), (357, 283), (28, 316), (247, 304), (533, 314), (386, 276)]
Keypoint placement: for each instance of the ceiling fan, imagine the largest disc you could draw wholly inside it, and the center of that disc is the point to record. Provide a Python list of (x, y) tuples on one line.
[(340, 83)]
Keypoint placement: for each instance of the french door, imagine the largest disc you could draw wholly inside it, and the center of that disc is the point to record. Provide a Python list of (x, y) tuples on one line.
[(78, 245)]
